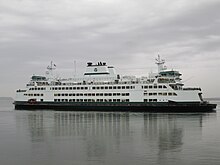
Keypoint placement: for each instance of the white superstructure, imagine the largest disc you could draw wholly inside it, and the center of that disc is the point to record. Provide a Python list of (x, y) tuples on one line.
[(101, 83)]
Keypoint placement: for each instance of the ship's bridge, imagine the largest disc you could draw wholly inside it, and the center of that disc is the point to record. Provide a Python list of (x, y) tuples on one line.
[(170, 73), (101, 69), (38, 78)]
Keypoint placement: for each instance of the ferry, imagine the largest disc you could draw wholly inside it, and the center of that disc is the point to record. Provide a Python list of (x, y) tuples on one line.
[(102, 89)]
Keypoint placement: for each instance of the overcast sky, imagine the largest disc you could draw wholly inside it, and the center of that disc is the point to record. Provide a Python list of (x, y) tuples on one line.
[(127, 34)]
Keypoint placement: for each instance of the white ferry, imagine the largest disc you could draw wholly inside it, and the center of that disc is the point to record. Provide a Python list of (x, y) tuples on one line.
[(102, 89)]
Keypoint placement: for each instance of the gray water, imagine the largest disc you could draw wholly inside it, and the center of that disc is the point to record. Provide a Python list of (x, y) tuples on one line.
[(69, 138)]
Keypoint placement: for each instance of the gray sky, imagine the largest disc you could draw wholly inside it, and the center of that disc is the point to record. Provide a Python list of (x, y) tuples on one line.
[(125, 33)]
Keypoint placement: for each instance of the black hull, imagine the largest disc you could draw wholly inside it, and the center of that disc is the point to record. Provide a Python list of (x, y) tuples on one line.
[(120, 107)]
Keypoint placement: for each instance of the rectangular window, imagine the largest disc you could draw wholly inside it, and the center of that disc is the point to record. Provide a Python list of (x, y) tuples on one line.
[(145, 100), (150, 87)]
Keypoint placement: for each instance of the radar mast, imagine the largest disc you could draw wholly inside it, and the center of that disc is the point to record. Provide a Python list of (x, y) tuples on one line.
[(160, 63)]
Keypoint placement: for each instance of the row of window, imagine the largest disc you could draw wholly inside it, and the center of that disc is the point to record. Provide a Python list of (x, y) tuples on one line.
[(91, 94), (101, 87), (34, 94), (31, 89), (20, 90), (160, 94), (91, 100), (94, 88), (104, 83), (154, 86), (150, 100)]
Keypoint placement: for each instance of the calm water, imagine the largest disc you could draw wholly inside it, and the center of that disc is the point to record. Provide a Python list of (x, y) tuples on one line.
[(69, 138)]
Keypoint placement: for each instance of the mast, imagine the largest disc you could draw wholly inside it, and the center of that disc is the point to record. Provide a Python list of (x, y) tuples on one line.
[(50, 69), (160, 63)]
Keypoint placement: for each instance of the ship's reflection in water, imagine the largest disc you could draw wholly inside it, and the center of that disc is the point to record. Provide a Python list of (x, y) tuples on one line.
[(113, 138)]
